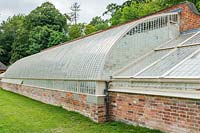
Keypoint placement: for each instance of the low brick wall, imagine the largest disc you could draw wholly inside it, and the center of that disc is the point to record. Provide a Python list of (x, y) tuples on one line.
[(87, 105), (158, 112), (168, 114)]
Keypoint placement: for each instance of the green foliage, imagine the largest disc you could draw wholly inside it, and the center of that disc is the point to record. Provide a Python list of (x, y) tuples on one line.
[(75, 31), (42, 28), (20, 45), (46, 15), (1, 51), (131, 12), (167, 3), (115, 19), (111, 9), (43, 37), (20, 114), (134, 9), (56, 38), (99, 23), (38, 39), (22, 36), (198, 6), (8, 32), (89, 29)]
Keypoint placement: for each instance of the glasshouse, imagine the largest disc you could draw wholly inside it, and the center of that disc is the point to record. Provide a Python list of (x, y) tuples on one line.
[(145, 72)]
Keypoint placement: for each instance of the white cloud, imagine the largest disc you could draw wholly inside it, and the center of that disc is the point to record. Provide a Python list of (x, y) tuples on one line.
[(89, 8)]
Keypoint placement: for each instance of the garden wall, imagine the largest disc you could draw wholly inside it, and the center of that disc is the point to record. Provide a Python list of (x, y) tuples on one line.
[(87, 105), (189, 16), (176, 115), (169, 114)]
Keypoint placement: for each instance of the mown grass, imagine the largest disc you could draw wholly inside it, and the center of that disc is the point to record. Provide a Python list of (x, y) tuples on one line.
[(19, 114)]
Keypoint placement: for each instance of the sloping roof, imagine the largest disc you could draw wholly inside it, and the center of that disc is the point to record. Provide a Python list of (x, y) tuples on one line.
[(178, 58)]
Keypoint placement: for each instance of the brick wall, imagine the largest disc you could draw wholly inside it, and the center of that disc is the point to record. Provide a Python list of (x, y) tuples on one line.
[(164, 113), (190, 18), (87, 105)]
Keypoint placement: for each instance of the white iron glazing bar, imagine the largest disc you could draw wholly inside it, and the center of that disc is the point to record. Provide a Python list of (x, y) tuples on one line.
[(146, 20), (179, 45), (164, 56), (154, 63), (173, 68), (187, 39), (139, 59)]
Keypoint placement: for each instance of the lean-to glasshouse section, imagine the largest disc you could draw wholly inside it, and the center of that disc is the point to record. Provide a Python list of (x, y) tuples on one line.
[(178, 60), (140, 40), (189, 68), (195, 39), (166, 63), (141, 63), (82, 65)]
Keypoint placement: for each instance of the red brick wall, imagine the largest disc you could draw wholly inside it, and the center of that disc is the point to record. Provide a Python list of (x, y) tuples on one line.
[(67, 100), (189, 19), (164, 113)]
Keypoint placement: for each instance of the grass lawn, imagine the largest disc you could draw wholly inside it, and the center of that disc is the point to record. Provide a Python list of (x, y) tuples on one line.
[(19, 114)]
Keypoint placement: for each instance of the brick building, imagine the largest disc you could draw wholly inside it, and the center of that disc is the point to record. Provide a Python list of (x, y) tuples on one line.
[(145, 72), (2, 68)]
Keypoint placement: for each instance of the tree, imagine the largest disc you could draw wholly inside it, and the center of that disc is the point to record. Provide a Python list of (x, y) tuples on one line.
[(1, 51), (198, 6), (42, 37), (8, 33), (133, 9), (99, 23), (115, 19), (46, 15), (38, 39), (75, 8), (43, 27), (75, 31), (111, 9), (20, 45), (167, 3), (89, 29)]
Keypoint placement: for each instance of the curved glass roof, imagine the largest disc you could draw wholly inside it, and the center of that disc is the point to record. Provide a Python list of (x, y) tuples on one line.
[(80, 59), (84, 58)]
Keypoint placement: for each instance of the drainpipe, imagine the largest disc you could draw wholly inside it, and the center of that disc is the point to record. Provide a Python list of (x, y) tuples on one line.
[(106, 93)]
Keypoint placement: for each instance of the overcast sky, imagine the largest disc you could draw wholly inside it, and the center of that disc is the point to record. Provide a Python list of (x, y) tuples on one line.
[(89, 8)]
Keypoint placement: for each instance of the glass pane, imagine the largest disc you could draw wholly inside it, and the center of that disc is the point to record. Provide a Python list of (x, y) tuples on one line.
[(170, 61), (190, 68), (141, 64), (193, 40), (177, 41)]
